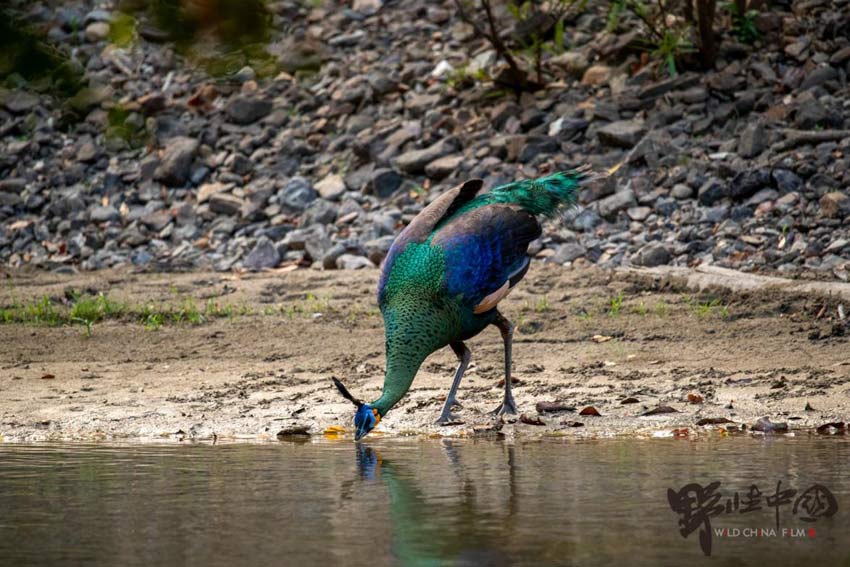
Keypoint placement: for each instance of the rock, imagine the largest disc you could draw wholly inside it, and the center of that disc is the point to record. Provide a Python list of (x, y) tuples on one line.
[(681, 191), (104, 214), (320, 211), (652, 255), (753, 141), (263, 256), (366, 7), (748, 182), (297, 193), (156, 220), (332, 187), (639, 214), (444, 166), (385, 182), (13, 185), (87, 152), (567, 253), (610, 206), (818, 77), (352, 262), (835, 205), (712, 191), (247, 109), (597, 75), (622, 134), (225, 204), (207, 190), (574, 62), (786, 181), (415, 161), (18, 101), (176, 162), (97, 31)]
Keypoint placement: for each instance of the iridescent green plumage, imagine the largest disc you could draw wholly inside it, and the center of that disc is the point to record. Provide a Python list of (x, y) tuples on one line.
[(446, 272)]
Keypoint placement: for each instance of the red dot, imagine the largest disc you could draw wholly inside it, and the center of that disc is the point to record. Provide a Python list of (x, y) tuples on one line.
[(812, 532)]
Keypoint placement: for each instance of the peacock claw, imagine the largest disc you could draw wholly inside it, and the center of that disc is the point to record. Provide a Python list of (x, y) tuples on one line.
[(448, 418), (508, 407)]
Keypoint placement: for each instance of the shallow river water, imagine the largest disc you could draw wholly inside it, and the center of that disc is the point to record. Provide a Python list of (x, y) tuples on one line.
[(428, 502)]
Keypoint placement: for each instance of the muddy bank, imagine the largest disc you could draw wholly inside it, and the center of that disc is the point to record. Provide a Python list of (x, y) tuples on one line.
[(585, 338)]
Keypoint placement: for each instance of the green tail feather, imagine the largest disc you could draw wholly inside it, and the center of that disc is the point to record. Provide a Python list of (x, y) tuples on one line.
[(544, 196)]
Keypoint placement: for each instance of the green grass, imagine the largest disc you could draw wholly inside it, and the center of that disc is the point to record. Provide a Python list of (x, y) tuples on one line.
[(615, 304), (542, 305)]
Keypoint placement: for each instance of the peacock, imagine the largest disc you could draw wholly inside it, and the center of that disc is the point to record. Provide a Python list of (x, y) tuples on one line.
[(445, 274)]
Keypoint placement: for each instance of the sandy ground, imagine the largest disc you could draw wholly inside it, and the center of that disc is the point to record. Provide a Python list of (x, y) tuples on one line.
[(747, 355)]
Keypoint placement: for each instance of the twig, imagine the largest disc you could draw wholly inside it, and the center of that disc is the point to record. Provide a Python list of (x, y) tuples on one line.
[(794, 138)]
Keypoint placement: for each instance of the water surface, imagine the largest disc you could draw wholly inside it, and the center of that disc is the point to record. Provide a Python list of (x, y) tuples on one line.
[(418, 502)]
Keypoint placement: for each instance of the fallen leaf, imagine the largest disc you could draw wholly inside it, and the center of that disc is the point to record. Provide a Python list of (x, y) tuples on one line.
[(333, 431), (714, 421), (514, 381), (766, 426), (681, 432), (601, 338), (572, 423), (590, 410), (531, 420), (294, 431), (695, 398), (552, 407), (659, 410), (630, 400), (47, 376)]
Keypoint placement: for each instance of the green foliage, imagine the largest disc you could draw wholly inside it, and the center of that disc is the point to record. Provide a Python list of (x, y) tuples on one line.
[(542, 305), (615, 303), (125, 125), (122, 30), (673, 45), (743, 25)]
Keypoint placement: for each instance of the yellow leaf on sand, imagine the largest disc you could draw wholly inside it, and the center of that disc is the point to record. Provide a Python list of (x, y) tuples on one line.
[(600, 338), (334, 431)]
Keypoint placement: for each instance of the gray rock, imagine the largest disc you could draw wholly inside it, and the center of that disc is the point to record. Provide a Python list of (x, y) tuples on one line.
[(712, 191), (753, 141), (786, 181), (297, 194), (585, 220), (337, 250), (610, 206), (639, 214), (568, 252), (818, 77), (19, 101), (748, 182), (352, 262), (247, 109), (378, 248), (177, 158), (264, 255), (104, 214), (415, 161), (651, 255), (385, 182), (225, 204), (13, 185), (681, 191), (332, 187), (444, 166), (319, 211), (622, 134)]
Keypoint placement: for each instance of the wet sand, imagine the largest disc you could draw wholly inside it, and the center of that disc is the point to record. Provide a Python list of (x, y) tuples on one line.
[(738, 355)]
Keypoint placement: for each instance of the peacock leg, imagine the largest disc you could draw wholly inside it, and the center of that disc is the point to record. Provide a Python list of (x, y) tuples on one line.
[(463, 356), (508, 406)]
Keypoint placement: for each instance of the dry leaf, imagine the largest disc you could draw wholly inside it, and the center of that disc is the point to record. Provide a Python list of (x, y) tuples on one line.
[(659, 410), (47, 376), (601, 338), (590, 410), (695, 398)]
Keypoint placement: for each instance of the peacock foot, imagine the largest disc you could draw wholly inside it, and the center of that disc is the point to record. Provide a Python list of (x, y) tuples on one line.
[(507, 407), (448, 418)]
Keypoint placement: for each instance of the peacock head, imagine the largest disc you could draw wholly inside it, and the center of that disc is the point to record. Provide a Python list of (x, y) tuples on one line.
[(365, 417)]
